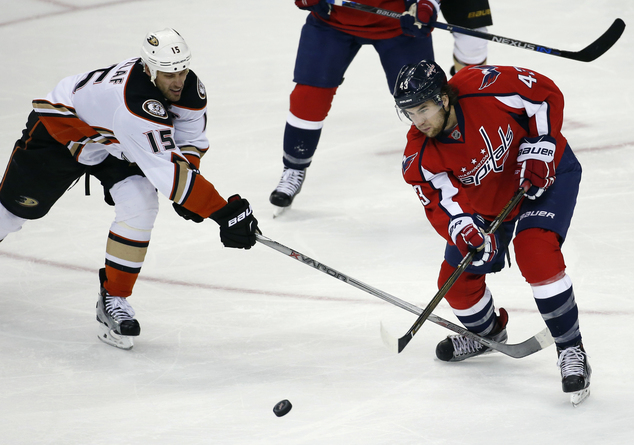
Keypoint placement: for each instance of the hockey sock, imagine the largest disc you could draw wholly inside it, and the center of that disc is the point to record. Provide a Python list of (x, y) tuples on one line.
[(556, 303), (538, 255), (124, 259), (479, 318), (309, 107), (468, 289), (300, 142), (311, 103), (470, 300), (136, 207)]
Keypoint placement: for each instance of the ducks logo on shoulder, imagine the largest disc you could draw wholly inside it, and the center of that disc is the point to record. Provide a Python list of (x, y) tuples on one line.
[(155, 108), (202, 91)]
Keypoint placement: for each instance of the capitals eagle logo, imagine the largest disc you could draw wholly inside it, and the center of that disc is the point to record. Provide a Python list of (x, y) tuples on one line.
[(490, 75), (408, 161)]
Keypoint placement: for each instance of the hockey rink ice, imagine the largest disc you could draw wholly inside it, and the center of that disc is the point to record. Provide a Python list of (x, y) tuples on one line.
[(227, 334)]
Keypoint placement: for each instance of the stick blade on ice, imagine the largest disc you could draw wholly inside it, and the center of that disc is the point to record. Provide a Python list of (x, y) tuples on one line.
[(389, 340)]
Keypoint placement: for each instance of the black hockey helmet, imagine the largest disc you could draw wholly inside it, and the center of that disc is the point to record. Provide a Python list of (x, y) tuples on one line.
[(416, 84)]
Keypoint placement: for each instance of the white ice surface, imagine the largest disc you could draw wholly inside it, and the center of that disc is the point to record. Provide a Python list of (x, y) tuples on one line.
[(227, 334)]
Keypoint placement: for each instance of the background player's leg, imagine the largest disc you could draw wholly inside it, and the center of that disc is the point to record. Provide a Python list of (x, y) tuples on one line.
[(323, 56)]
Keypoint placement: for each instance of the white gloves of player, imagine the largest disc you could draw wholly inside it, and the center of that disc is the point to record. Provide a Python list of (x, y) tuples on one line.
[(538, 166)]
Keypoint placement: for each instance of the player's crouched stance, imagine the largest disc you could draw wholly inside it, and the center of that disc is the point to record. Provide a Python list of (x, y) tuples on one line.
[(146, 135), (473, 142)]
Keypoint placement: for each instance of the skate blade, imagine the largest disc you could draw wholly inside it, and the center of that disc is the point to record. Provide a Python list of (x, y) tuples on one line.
[(577, 397), (113, 339), (278, 211)]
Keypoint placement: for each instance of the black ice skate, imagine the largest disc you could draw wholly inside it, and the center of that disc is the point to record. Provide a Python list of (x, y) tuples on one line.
[(575, 372), (116, 318), (456, 348), (290, 185)]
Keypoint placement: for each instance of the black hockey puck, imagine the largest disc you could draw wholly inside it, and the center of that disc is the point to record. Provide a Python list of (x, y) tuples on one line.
[(282, 408)]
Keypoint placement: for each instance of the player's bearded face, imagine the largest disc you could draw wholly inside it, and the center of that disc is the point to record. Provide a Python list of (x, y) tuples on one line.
[(428, 117), (171, 84)]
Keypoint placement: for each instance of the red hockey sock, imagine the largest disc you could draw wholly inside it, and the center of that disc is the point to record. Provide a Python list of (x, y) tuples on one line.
[(538, 255), (466, 291), (311, 103)]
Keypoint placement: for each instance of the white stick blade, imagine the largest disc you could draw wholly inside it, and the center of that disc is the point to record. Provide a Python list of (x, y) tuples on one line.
[(389, 340)]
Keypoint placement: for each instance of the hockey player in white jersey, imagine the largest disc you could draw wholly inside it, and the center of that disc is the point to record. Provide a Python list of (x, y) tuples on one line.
[(138, 126)]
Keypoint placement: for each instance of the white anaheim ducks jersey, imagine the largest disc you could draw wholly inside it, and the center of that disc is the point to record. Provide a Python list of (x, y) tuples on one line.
[(118, 111)]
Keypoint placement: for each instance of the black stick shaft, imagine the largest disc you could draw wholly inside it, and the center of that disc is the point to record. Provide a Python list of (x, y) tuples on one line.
[(588, 54), (528, 347)]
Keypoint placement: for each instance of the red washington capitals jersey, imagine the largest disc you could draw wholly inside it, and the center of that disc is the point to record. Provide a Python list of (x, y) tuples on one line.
[(474, 168), (362, 24)]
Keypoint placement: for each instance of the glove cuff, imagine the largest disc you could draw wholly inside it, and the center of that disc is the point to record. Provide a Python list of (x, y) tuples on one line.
[(458, 223), (541, 148)]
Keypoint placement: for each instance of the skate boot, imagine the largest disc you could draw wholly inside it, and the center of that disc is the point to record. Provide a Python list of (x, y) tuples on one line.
[(116, 320), (456, 348), (575, 372), (290, 184)]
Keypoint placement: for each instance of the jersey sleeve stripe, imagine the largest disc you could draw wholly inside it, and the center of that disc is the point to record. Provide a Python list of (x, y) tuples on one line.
[(538, 110), (182, 181), (446, 191)]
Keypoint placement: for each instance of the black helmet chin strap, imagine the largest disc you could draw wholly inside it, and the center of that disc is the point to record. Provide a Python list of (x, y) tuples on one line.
[(447, 113)]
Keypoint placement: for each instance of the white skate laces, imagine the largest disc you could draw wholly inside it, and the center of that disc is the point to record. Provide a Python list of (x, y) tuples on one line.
[(464, 345), (572, 362), (291, 181), (119, 308), (575, 373), (117, 325), (455, 348)]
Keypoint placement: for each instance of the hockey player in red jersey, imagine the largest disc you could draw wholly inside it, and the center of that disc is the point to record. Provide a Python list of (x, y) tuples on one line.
[(331, 39), (138, 126), (474, 141)]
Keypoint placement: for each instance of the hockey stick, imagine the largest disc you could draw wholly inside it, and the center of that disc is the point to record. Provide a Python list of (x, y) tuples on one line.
[(528, 347), (587, 54), (404, 340)]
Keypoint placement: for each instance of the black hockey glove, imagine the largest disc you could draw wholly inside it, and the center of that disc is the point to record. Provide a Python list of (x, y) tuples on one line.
[(187, 214), (238, 226)]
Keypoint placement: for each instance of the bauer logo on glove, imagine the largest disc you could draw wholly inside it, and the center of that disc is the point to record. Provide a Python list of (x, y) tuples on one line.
[(237, 224), (537, 165), (240, 217)]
